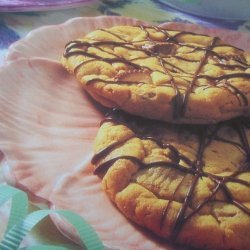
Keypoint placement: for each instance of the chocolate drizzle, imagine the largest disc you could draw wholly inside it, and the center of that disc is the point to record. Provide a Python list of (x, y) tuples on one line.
[(162, 50), (205, 134)]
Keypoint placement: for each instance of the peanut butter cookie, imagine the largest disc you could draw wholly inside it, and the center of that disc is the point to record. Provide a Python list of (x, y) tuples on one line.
[(187, 184), (162, 74)]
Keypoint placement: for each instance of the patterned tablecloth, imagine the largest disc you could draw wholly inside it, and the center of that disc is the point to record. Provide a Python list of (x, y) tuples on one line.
[(16, 25)]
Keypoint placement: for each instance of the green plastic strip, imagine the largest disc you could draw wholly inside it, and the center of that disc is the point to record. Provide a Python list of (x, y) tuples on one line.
[(19, 226), (19, 205)]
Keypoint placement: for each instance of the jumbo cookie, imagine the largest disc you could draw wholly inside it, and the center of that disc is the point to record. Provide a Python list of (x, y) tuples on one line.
[(187, 184), (162, 74)]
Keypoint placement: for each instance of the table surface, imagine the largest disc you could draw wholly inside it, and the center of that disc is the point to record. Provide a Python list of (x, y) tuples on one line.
[(16, 25)]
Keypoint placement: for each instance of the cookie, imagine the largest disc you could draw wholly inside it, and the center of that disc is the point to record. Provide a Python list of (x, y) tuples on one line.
[(162, 74), (187, 184)]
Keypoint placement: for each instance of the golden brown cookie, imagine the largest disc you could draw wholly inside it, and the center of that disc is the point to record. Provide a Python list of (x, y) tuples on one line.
[(162, 74), (187, 184)]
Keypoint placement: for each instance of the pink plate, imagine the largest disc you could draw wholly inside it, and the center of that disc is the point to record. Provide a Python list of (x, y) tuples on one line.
[(49, 41), (48, 124)]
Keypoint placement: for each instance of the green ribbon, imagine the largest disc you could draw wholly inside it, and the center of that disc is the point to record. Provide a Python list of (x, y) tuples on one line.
[(19, 205), (20, 224)]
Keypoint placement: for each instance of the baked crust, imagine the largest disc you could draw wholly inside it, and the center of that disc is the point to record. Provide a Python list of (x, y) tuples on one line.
[(162, 74), (187, 184)]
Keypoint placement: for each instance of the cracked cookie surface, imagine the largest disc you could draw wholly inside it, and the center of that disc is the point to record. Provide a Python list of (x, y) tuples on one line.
[(187, 184), (162, 74)]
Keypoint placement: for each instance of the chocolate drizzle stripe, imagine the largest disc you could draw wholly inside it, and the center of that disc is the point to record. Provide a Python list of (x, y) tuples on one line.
[(126, 45), (177, 98), (238, 145), (241, 206), (231, 66), (203, 203), (108, 60), (80, 52), (188, 199), (171, 199), (201, 148), (95, 80), (226, 85), (106, 165), (180, 216), (191, 85), (107, 150), (113, 34), (226, 179), (225, 77), (232, 179), (237, 93), (233, 201)]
